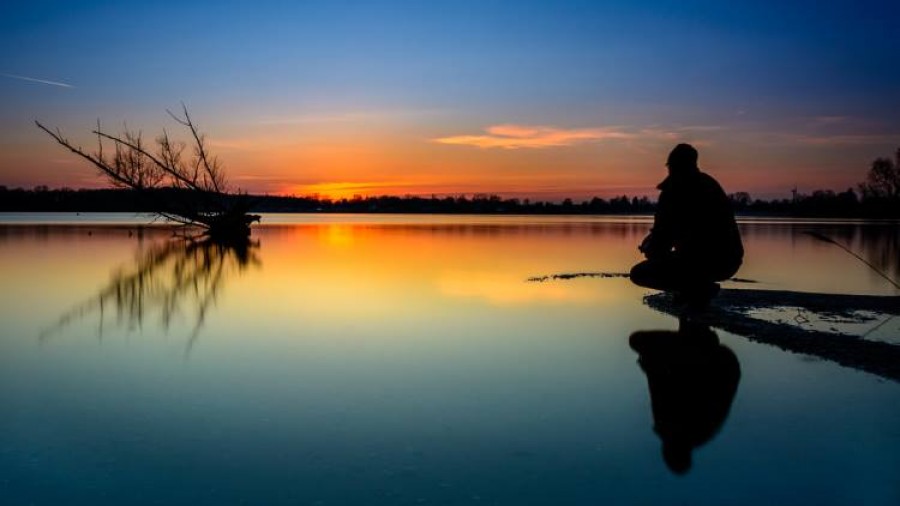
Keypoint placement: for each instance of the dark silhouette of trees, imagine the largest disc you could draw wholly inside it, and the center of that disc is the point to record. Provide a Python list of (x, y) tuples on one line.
[(740, 199), (820, 203), (883, 179), (196, 178), (881, 189)]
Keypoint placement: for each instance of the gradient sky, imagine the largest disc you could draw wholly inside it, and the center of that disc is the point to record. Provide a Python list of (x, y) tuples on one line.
[(540, 99)]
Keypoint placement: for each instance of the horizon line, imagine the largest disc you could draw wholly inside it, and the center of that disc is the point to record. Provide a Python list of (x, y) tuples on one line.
[(506, 195)]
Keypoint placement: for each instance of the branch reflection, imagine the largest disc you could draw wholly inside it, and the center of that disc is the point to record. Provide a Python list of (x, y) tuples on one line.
[(180, 277)]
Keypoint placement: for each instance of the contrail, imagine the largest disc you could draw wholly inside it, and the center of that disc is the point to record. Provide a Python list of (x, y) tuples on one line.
[(33, 80)]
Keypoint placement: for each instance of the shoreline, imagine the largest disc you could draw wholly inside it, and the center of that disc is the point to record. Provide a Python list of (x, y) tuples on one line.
[(729, 312), (80, 218)]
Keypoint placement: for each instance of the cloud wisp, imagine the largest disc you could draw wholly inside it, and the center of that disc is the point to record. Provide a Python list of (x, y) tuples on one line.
[(511, 136), (36, 80), (840, 139)]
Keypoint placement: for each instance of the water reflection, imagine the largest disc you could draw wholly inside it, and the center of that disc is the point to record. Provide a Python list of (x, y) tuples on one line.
[(879, 244), (180, 277), (739, 312), (692, 380), (415, 364)]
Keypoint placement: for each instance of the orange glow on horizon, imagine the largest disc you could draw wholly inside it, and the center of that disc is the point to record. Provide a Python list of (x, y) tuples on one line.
[(346, 190), (373, 157)]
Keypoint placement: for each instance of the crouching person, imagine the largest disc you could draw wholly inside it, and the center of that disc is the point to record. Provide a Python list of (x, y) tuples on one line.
[(694, 242)]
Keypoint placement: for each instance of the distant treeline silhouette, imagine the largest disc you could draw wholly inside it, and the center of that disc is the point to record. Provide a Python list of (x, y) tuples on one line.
[(821, 203)]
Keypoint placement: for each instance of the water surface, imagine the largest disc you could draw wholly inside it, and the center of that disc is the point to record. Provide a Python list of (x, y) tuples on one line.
[(406, 360)]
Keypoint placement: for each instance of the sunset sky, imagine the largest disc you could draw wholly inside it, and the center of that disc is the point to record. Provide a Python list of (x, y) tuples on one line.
[(538, 99)]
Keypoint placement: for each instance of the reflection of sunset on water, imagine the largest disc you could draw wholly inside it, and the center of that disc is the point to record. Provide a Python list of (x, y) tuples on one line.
[(354, 346), (386, 271), (394, 265)]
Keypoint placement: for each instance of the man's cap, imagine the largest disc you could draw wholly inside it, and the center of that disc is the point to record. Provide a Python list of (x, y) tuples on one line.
[(683, 155)]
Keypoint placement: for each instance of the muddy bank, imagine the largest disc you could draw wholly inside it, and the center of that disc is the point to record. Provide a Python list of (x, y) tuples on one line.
[(729, 312)]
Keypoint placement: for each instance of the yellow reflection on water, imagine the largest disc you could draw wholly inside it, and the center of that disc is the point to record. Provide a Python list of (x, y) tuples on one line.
[(355, 269), (372, 272), (337, 235)]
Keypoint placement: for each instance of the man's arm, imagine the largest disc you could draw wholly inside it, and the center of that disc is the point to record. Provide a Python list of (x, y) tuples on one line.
[(661, 238)]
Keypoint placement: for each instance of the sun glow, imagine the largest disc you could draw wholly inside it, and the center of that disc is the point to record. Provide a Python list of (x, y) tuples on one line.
[(344, 190)]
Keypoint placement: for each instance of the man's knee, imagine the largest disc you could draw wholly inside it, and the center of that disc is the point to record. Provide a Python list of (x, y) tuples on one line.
[(642, 274), (726, 270)]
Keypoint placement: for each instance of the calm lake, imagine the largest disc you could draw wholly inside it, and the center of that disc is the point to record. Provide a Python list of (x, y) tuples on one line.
[(361, 359)]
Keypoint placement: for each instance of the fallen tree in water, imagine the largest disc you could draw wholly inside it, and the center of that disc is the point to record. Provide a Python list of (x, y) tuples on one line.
[(201, 197)]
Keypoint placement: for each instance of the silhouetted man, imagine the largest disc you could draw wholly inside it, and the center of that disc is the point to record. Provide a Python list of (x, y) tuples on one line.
[(695, 240)]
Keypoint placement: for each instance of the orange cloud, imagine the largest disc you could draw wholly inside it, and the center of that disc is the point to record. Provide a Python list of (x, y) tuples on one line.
[(510, 136)]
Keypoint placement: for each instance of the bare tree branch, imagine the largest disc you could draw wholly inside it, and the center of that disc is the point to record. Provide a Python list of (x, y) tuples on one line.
[(196, 183), (99, 163), (213, 171)]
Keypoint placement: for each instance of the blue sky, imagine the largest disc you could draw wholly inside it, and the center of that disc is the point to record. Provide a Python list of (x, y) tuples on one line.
[(754, 74)]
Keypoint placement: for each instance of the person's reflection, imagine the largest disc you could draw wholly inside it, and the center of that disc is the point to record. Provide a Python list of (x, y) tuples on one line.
[(692, 380)]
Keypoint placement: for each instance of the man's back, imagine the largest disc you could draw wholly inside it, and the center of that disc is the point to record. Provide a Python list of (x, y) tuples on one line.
[(696, 216)]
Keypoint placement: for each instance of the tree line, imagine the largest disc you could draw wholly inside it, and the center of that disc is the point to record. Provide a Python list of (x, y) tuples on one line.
[(876, 197), (820, 203)]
